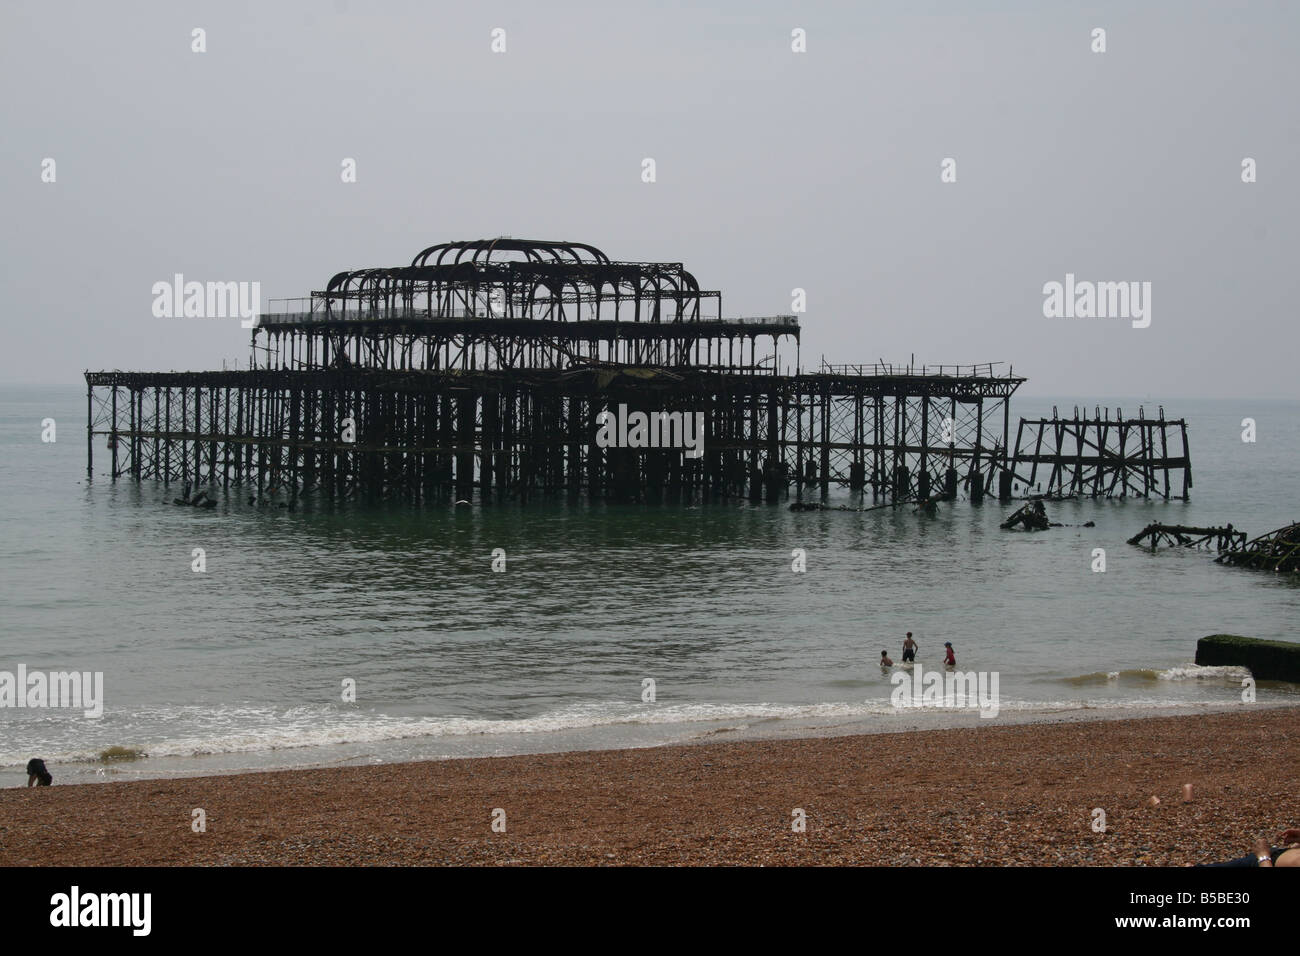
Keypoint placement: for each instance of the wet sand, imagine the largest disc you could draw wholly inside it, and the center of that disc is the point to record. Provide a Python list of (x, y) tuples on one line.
[(988, 795)]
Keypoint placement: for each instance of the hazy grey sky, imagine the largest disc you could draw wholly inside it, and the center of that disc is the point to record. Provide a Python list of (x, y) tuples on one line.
[(775, 169)]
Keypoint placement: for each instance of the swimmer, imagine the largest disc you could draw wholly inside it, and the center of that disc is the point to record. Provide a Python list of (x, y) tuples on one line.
[(909, 648)]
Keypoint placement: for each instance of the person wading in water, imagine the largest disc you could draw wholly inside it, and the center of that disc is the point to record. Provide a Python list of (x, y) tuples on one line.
[(909, 648)]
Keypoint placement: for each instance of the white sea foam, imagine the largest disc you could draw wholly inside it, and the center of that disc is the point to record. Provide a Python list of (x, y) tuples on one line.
[(1197, 672), (248, 730)]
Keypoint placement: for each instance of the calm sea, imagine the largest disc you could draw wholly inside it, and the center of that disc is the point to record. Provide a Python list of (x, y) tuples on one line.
[(243, 666)]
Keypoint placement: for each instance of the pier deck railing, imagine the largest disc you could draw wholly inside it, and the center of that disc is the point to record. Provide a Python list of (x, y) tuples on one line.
[(305, 311), (981, 370)]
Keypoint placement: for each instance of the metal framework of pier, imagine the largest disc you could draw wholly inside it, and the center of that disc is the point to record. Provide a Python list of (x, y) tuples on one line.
[(1104, 457), (483, 367)]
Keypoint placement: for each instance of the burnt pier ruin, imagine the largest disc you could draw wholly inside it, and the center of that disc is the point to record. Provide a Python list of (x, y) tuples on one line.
[(485, 369), (1104, 457)]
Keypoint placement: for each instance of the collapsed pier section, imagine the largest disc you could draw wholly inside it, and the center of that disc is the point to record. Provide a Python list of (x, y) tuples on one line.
[(1103, 457)]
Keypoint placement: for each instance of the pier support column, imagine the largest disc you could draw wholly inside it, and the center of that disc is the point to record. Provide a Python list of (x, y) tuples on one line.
[(825, 464), (112, 437), (90, 430), (902, 482), (595, 454), (1004, 485), (772, 465), (491, 428), (466, 408)]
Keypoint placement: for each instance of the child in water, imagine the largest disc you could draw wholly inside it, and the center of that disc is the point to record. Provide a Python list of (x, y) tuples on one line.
[(949, 660), (885, 661)]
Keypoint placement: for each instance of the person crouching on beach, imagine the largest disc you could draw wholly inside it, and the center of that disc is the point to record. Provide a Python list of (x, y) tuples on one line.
[(909, 648), (949, 660), (37, 775), (885, 661)]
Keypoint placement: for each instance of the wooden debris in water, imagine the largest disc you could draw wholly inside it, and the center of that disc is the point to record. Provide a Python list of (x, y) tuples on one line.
[(1277, 551), (1225, 538)]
